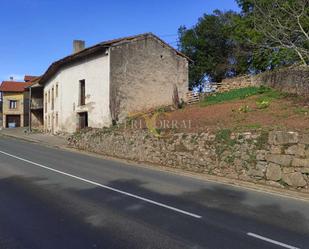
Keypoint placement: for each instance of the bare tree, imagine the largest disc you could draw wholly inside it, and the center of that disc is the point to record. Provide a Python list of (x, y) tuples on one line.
[(284, 24)]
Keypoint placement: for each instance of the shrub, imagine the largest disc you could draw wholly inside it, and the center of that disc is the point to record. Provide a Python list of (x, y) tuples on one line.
[(263, 104), (244, 109), (235, 94)]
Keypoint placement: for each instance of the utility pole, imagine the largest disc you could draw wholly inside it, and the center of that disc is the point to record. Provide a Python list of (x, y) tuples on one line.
[(29, 115)]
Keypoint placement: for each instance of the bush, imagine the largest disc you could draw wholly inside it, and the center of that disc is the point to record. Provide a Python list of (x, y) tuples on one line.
[(235, 94), (244, 109), (263, 104)]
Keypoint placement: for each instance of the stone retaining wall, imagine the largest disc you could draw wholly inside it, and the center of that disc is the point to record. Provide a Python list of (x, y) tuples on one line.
[(293, 80), (235, 83), (278, 159)]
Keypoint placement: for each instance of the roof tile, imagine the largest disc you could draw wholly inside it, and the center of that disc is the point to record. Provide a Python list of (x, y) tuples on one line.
[(14, 86)]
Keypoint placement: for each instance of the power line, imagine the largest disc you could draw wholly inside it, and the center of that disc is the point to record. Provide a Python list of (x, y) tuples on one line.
[(168, 35)]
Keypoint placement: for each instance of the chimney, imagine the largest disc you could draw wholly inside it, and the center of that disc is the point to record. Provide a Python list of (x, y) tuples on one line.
[(11, 78), (78, 45)]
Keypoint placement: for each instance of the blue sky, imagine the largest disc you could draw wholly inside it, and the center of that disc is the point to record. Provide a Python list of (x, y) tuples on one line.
[(34, 33)]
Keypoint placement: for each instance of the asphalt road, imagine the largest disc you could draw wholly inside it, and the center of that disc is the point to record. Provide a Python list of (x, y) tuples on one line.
[(51, 198)]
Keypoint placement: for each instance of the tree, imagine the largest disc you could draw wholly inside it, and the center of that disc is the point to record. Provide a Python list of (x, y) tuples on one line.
[(210, 46), (279, 31), (265, 35), (284, 25)]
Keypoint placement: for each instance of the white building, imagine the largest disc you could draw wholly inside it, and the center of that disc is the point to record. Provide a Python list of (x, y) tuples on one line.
[(100, 85)]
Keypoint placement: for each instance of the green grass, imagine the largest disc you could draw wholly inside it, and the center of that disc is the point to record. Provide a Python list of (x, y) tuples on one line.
[(301, 110), (269, 95), (236, 94), (254, 126)]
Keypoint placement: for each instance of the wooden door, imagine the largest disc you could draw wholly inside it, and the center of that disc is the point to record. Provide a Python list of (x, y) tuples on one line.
[(83, 120)]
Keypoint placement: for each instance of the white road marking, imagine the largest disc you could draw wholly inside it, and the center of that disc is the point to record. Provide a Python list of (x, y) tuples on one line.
[(105, 186), (272, 241)]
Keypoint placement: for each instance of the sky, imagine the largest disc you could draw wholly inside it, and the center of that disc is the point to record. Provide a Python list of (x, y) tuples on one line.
[(35, 33)]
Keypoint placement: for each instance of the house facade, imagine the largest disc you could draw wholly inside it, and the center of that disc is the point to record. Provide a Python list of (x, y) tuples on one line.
[(103, 84), (15, 104), (36, 104)]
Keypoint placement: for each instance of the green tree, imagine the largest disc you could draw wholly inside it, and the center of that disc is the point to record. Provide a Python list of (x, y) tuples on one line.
[(210, 46), (277, 30), (266, 34)]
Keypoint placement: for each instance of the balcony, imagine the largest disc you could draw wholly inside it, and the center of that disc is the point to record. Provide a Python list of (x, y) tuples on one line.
[(36, 103)]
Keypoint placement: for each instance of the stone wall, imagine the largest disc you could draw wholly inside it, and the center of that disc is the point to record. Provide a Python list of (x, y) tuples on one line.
[(143, 75), (234, 83), (293, 80), (279, 159)]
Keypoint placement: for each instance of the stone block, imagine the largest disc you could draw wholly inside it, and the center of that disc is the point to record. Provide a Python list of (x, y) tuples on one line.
[(260, 155), (284, 160), (287, 170), (298, 162), (261, 165), (281, 138), (298, 150), (305, 170), (291, 150), (259, 172), (273, 172), (305, 139), (275, 149), (295, 179)]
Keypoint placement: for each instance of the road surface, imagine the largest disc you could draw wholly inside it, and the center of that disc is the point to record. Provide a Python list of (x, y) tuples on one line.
[(51, 198)]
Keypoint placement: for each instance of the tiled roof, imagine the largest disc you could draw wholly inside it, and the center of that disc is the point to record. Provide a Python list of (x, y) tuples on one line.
[(53, 68), (14, 86), (29, 78)]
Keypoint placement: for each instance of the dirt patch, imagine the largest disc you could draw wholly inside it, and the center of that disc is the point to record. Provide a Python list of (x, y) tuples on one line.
[(286, 113)]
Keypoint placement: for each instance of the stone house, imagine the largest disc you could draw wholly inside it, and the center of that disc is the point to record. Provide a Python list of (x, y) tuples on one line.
[(36, 107), (15, 104), (102, 84)]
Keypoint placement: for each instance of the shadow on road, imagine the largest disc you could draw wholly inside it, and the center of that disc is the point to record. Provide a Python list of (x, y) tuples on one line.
[(99, 215)]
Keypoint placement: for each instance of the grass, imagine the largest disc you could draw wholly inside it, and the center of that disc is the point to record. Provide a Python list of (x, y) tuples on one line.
[(270, 94), (262, 140), (254, 126), (224, 135), (267, 94), (301, 110)]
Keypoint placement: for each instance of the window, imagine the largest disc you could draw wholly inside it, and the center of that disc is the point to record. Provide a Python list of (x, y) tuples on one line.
[(13, 104), (82, 92), (45, 100), (52, 99), (49, 96), (56, 119), (57, 90)]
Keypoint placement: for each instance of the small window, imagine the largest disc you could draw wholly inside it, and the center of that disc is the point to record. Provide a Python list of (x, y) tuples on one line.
[(13, 104), (52, 99), (57, 90), (56, 119), (82, 92), (45, 100)]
